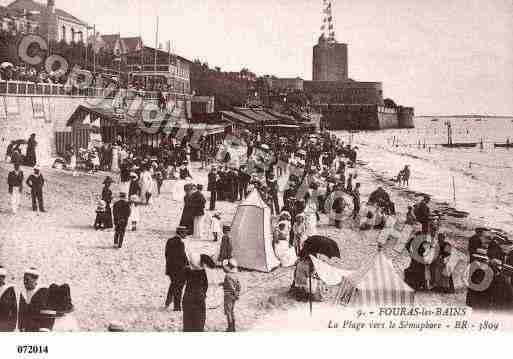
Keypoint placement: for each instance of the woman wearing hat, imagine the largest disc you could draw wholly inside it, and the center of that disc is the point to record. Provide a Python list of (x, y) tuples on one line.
[(107, 198), (194, 299)]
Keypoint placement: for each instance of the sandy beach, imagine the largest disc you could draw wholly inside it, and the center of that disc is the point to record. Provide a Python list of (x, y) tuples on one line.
[(129, 285)]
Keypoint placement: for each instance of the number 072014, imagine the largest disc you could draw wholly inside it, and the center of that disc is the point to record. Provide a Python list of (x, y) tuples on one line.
[(32, 349)]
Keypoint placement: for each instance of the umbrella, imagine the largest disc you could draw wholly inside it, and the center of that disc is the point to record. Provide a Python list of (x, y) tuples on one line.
[(5, 65), (320, 244), (19, 142)]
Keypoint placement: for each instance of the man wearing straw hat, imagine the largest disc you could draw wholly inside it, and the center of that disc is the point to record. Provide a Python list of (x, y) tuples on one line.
[(8, 305), (33, 299)]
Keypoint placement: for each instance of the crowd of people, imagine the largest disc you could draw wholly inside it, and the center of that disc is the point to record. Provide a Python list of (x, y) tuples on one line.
[(321, 178)]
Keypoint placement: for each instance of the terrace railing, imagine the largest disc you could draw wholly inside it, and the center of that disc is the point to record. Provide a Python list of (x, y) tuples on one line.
[(25, 88)]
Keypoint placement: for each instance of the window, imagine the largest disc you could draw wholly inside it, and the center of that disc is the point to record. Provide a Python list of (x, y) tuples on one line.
[(63, 33), (72, 35)]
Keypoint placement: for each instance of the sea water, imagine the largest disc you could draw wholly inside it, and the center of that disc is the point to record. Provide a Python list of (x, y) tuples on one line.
[(477, 180)]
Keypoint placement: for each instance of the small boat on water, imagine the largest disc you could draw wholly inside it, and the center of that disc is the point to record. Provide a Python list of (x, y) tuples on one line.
[(460, 145), (434, 120), (503, 145)]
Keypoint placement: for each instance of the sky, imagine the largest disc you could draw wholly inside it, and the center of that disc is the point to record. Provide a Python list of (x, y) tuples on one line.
[(439, 56)]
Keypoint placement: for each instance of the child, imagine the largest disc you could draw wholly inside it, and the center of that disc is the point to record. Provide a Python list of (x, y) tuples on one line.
[(216, 230), (134, 211), (231, 287), (225, 251), (99, 222)]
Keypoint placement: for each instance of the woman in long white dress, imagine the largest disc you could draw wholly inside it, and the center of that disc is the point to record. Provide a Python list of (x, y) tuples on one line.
[(284, 251), (147, 184), (310, 213), (115, 159)]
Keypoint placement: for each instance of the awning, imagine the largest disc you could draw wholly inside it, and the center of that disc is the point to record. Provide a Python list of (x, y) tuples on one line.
[(240, 118), (282, 126)]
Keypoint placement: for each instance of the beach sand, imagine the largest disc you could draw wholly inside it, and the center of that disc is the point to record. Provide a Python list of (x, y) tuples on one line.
[(129, 285)]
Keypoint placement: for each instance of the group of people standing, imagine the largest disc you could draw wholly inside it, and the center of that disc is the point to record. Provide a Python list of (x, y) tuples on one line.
[(15, 188), (189, 283), (35, 308)]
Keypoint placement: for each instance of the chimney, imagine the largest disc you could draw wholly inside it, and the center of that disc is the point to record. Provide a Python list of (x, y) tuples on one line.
[(51, 6)]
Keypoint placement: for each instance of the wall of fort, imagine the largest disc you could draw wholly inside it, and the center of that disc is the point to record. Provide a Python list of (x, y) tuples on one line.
[(364, 117), (346, 92)]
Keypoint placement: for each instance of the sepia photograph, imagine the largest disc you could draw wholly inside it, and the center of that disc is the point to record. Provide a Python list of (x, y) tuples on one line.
[(255, 166)]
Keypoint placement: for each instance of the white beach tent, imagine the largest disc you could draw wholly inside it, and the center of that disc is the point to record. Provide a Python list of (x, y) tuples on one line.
[(251, 235), (380, 285)]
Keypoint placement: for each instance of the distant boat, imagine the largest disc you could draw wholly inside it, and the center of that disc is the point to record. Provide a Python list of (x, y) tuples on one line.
[(435, 120), (503, 145), (460, 145)]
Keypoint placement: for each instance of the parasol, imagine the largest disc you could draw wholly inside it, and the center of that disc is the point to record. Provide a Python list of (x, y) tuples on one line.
[(320, 244)]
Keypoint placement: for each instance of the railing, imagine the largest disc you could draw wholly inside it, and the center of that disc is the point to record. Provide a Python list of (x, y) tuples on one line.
[(49, 89)]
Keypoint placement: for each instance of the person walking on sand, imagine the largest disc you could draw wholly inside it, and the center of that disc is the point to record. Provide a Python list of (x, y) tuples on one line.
[(231, 286), (15, 183), (213, 179), (107, 198), (36, 182), (195, 294), (176, 262), (146, 184), (121, 213), (356, 200), (8, 305)]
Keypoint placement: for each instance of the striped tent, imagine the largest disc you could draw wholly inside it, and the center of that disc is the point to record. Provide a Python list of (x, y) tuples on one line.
[(380, 285)]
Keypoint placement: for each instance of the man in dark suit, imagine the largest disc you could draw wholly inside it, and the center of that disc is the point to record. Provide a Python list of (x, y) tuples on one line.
[(8, 305), (120, 212), (176, 262), (33, 299), (243, 180), (36, 183), (213, 178)]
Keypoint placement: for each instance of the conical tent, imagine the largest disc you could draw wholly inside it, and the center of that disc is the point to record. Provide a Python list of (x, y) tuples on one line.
[(379, 286), (251, 235)]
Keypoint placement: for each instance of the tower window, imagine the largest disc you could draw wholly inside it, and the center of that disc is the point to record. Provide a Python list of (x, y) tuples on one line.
[(64, 33)]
